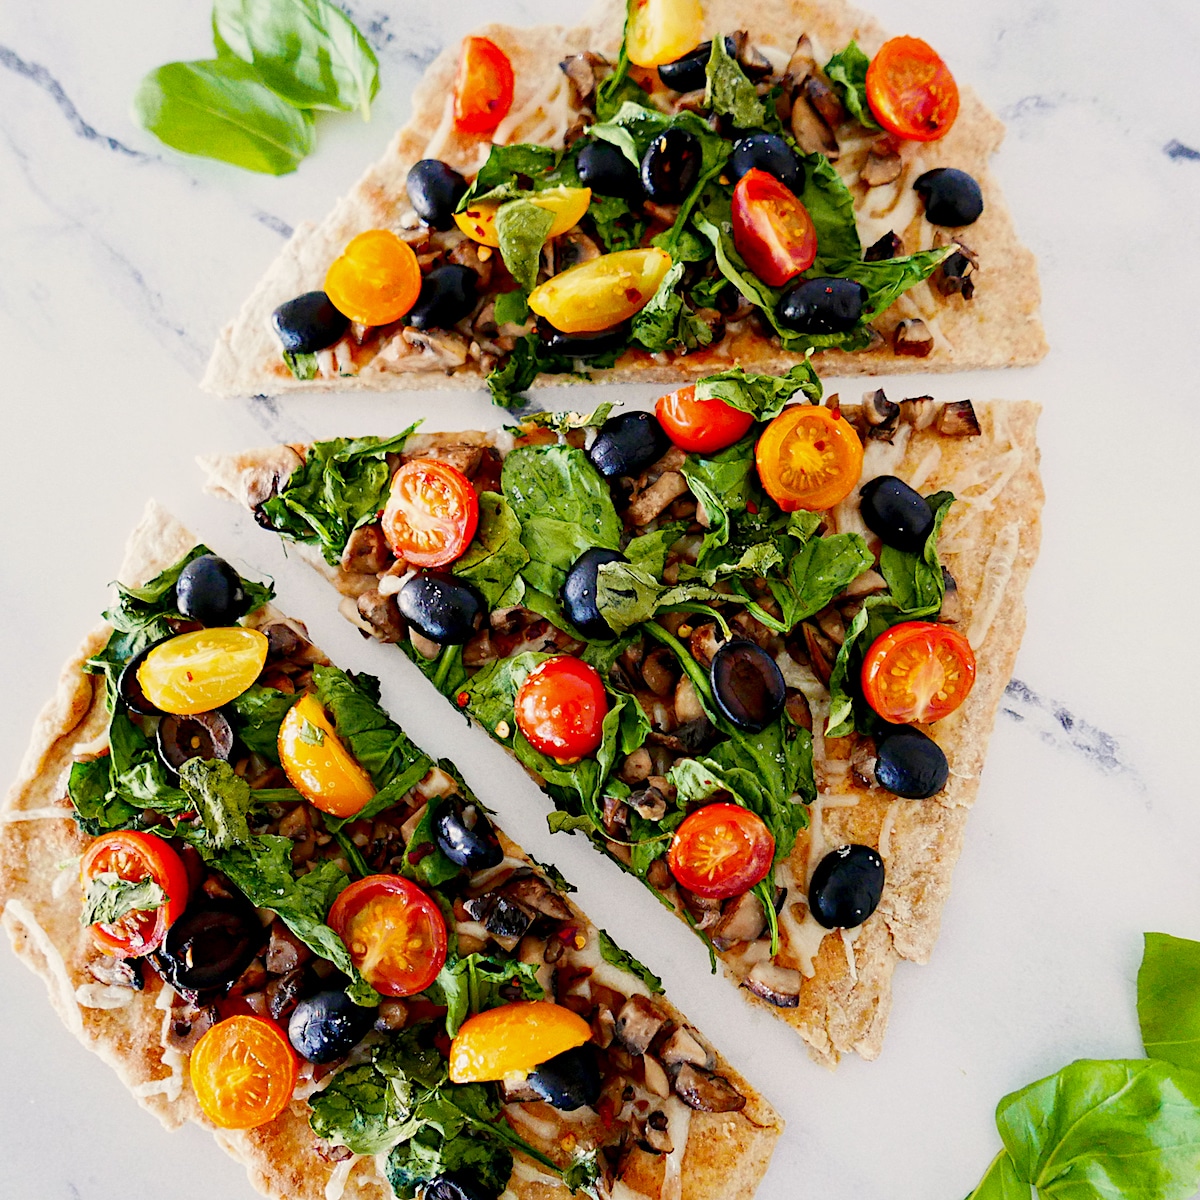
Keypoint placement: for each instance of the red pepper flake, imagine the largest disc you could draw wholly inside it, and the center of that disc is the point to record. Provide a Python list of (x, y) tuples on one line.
[(424, 850), (751, 507), (632, 295), (462, 699), (607, 1110), (441, 1040), (567, 934)]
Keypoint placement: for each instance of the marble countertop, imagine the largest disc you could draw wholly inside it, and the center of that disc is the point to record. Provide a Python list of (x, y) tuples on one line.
[(120, 259)]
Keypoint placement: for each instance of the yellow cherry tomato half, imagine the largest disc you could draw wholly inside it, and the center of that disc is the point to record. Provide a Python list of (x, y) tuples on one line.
[(601, 293), (660, 31), (569, 205), (513, 1040), (809, 457), (317, 765), (376, 280), (199, 671), (243, 1072)]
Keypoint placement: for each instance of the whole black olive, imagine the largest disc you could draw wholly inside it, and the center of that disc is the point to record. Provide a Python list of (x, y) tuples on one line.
[(579, 592), (447, 295), (910, 764), (309, 323), (328, 1026), (767, 152), (824, 305), (129, 687), (467, 838), (628, 444), (671, 166), (582, 345), (747, 685), (952, 197), (434, 190), (569, 1080), (607, 171), (210, 591), (457, 1185), (899, 515), (204, 735), (206, 950), (442, 608), (687, 74), (845, 888)]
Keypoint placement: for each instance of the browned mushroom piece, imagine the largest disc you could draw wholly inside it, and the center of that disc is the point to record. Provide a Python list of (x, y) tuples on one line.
[(648, 802), (797, 709), (382, 614), (638, 1024), (425, 647), (799, 67), (880, 413), (188, 1024), (615, 817), (880, 169), (645, 506), (118, 972), (704, 643), (912, 338), (637, 767), (659, 876), (655, 1137), (366, 552), (441, 348), (534, 892), (655, 1077), (573, 248), (918, 411), (863, 759), (687, 702), (284, 641), (888, 246), (821, 652), (742, 920), (867, 584), (958, 419), (812, 134), (752, 60), (467, 254), (775, 984), (824, 100), (706, 1091), (285, 951), (604, 1025), (659, 672), (830, 623), (505, 919), (951, 612), (684, 1047), (955, 276), (584, 71), (512, 1092)]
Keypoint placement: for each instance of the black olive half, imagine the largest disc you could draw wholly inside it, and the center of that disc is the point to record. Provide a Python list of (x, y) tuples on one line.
[(952, 197), (687, 74), (442, 608), (457, 1185), (434, 190), (204, 735), (671, 166), (582, 345), (767, 152), (747, 684), (129, 686), (206, 950), (447, 295), (846, 886), (607, 171), (823, 305), (467, 838), (210, 591), (910, 764), (309, 323), (328, 1026), (628, 444), (569, 1080), (900, 516), (579, 592)]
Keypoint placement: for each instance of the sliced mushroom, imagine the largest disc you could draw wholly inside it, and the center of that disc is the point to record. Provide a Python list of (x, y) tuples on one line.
[(821, 652), (442, 348), (918, 411), (658, 670), (706, 1091), (704, 643), (879, 410), (424, 646), (615, 817), (649, 802), (463, 456), (636, 767), (797, 709), (655, 1137), (366, 552), (285, 951), (867, 584), (534, 892), (656, 1078), (118, 972), (888, 246), (955, 276), (638, 1024), (912, 338), (687, 701), (863, 759), (800, 66), (812, 134), (188, 1025), (383, 615), (752, 60), (584, 71), (683, 1047), (880, 169), (648, 504), (829, 621), (824, 100), (478, 258), (951, 612), (742, 920), (573, 248), (775, 984), (603, 1026), (958, 419)]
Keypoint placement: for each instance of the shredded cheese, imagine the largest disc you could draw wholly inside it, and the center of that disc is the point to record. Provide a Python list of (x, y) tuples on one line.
[(996, 573), (679, 1118), (849, 937), (48, 813), (102, 995), (885, 830), (335, 1186)]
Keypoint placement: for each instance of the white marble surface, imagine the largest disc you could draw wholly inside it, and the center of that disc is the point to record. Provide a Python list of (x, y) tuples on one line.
[(120, 259)]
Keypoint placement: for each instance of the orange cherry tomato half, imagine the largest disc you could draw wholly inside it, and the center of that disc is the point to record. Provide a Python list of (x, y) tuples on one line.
[(772, 229), (136, 857), (376, 280), (700, 426), (483, 87), (513, 1040), (560, 708), (395, 933), (911, 91), (431, 514), (809, 457), (243, 1072), (316, 763), (918, 672), (721, 850)]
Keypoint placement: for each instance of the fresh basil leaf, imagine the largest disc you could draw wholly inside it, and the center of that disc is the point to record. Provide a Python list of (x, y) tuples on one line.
[(622, 959), (915, 581), (109, 898), (495, 558), (1001, 1182), (259, 711), (512, 308), (764, 396), (728, 92), (847, 72), (221, 797), (668, 321), (302, 366), (218, 108), (469, 985), (522, 228), (1169, 1000)]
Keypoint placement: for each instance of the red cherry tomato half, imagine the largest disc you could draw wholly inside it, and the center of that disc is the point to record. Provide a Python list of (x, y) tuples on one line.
[(483, 88), (918, 672), (721, 850), (772, 229), (395, 933), (136, 857), (700, 426), (560, 708), (431, 514), (911, 91)]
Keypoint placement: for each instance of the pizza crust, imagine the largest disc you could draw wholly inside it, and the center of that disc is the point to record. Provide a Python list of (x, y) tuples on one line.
[(726, 1155), (999, 327)]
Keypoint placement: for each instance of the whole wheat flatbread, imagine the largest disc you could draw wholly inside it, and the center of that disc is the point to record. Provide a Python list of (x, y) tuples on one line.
[(1000, 327), (989, 544), (726, 1155)]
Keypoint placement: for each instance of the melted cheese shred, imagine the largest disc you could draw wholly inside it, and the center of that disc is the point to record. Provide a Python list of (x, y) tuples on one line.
[(996, 573), (18, 911), (679, 1118), (102, 995), (335, 1186), (170, 1085), (48, 813)]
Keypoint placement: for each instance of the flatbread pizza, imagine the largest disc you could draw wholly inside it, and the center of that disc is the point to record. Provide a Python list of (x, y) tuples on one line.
[(791, 180), (352, 1003), (752, 649)]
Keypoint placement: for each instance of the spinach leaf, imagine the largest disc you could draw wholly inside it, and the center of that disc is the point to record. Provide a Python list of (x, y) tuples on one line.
[(424, 860), (340, 485), (509, 167), (494, 561), (822, 568), (302, 366), (445, 672), (136, 771), (427, 1155), (1001, 1181), (109, 898), (98, 809), (831, 206), (512, 308), (563, 422), (528, 359), (728, 92), (612, 953), (627, 595), (668, 321), (219, 108), (1169, 1000), (915, 581), (259, 711), (521, 229), (887, 280), (618, 88), (221, 798), (847, 72), (469, 985), (763, 396)]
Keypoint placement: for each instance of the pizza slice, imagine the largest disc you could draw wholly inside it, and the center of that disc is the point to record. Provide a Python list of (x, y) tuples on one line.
[(709, 183), (276, 916), (752, 649)]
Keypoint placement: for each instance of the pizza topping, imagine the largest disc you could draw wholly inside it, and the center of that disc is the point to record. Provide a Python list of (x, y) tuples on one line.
[(580, 593), (823, 305), (199, 671), (686, 73), (772, 229), (434, 189), (809, 458), (203, 735), (951, 197), (958, 420), (466, 837), (775, 984), (767, 152), (327, 1026), (447, 296), (243, 1072), (846, 887), (514, 1040), (317, 764), (129, 687), (569, 1080), (582, 345), (209, 947), (899, 515), (602, 293), (662, 31), (567, 206), (911, 91), (605, 169), (918, 672), (721, 850), (376, 280), (912, 338), (747, 685), (431, 514), (483, 87), (443, 609), (560, 708), (707, 1091), (627, 444), (308, 323), (701, 426), (911, 764)]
